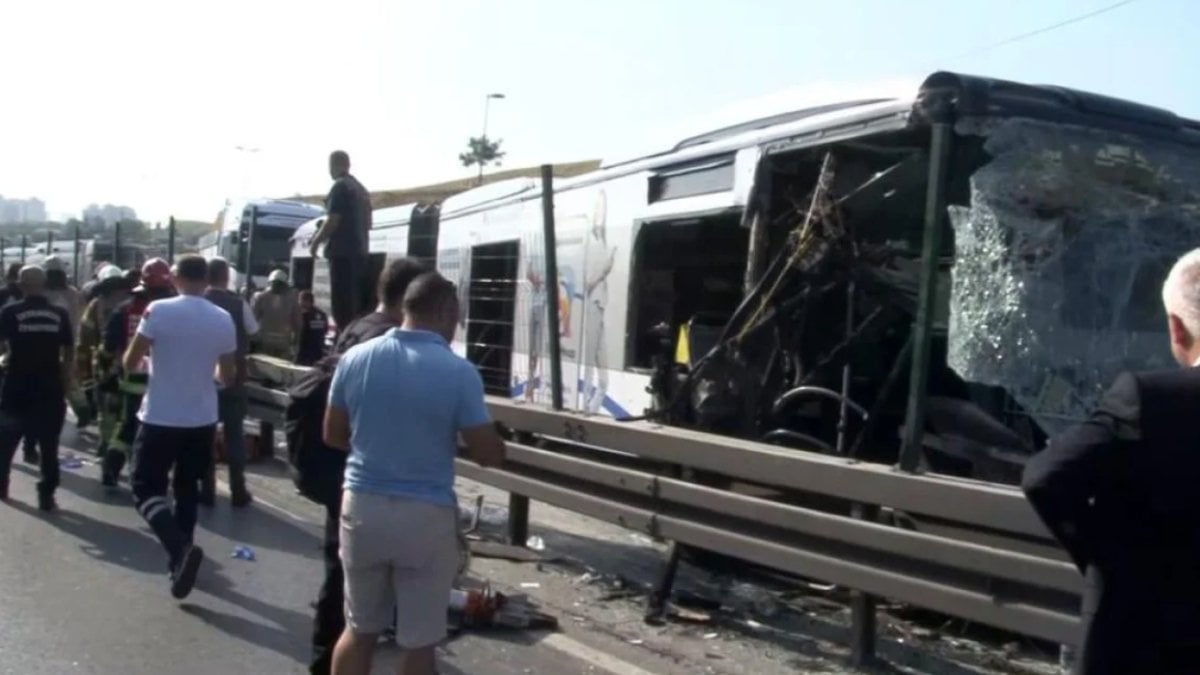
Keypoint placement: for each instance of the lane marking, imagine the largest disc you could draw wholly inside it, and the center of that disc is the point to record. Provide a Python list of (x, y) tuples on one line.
[(595, 657)]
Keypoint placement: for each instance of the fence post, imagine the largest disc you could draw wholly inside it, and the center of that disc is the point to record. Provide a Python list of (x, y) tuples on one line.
[(550, 281), (75, 257), (117, 245), (247, 265), (935, 217), (171, 240), (3, 245), (49, 243), (24, 245)]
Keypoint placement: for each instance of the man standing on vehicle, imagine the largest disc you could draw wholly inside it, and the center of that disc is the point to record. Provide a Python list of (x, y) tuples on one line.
[(278, 315), (231, 401), (1119, 493), (33, 397), (186, 339), (154, 284), (314, 326), (399, 404), (345, 232)]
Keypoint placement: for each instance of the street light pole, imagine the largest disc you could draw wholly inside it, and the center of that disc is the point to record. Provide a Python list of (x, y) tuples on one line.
[(487, 102)]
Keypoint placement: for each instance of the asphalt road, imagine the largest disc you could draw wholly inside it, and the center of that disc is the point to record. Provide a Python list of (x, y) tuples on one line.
[(85, 591)]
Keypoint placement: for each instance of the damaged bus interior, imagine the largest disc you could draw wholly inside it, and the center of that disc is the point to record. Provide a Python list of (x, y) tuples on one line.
[(986, 271)]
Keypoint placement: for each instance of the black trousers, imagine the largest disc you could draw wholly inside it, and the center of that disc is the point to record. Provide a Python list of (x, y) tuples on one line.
[(41, 422), (330, 619), (156, 450), (346, 289)]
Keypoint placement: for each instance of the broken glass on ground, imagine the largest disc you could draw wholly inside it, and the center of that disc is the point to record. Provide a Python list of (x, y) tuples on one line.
[(1060, 259)]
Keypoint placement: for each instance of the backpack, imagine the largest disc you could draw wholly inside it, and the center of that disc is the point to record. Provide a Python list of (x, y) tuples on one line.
[(317, 469)]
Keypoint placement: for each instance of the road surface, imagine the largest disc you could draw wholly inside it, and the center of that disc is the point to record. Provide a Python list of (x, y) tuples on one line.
[(85, 591)]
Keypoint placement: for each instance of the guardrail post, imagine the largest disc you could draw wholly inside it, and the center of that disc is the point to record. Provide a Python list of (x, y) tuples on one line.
[(862, 608)]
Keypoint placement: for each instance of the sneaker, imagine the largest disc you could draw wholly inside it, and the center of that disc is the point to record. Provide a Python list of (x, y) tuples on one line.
[(4, 493), (46, 502), (241, 500), (183, 578), (32, 456)]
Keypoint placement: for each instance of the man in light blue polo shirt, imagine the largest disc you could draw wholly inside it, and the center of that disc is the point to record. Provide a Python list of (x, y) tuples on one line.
[(399, 403)]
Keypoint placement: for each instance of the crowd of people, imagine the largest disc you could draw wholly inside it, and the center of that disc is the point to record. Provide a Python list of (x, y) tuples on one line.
[(157, 358)]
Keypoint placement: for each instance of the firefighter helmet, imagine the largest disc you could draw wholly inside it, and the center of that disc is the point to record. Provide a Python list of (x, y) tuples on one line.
[(156, 273)]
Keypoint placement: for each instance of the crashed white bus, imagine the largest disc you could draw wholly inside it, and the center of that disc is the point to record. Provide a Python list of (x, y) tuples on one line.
[(982, 258)]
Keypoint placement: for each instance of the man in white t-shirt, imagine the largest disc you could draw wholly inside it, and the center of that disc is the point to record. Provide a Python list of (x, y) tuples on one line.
[(188, 340)]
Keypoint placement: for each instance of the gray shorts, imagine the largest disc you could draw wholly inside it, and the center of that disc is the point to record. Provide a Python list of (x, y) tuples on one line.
[(402, 554)]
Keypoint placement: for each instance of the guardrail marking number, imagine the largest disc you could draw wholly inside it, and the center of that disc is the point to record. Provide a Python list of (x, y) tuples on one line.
[(575, 431)]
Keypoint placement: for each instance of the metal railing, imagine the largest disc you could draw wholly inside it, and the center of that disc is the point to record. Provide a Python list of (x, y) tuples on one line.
[(797, 518)]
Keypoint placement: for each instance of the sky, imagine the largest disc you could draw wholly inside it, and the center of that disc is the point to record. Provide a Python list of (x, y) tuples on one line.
[(145, 102)]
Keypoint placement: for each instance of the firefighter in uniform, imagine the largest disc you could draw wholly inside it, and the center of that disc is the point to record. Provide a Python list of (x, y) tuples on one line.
[(33, 397), (155, 285), (278, 312), (110, 291)]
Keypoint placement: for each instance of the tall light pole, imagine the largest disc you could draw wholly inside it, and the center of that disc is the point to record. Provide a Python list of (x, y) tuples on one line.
[(246, 150), (487, 103)]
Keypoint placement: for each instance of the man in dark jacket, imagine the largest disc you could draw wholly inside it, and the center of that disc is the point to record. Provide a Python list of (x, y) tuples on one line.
[(231, 401), (1118, 492), (344, 234), (319, 468)]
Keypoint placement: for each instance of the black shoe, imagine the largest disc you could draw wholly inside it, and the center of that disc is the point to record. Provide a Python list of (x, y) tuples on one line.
[(208, 501), (241, 500), (31, 456), (4, 493), (46, 501), (184, 576)]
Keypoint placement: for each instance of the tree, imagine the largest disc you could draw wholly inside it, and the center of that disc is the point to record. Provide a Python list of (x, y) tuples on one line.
[(481, 151)]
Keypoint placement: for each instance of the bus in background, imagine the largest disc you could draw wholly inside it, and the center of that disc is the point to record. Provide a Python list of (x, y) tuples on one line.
[(260, 230)]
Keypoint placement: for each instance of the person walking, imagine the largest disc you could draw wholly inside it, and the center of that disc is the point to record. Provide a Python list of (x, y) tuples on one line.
[(154, 284), (345, 232), (399, 403), (110, 291), (1118, 492), (278, 314), (231, 401), (186, 340), (314, 326), (319, 469), (33, 396), (11, 293)]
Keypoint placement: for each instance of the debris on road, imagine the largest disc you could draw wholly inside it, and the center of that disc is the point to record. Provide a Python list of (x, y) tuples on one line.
[(484, 607), (242, 552), (492, 549), (71, 462), (535, 543)]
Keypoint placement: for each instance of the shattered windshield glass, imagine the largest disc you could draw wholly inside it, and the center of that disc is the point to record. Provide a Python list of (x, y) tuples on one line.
[(1060, 259)]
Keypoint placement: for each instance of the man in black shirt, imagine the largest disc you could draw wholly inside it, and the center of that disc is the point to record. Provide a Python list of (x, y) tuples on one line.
[(33, 398), (319, 468), (345, 232), (314, 325)]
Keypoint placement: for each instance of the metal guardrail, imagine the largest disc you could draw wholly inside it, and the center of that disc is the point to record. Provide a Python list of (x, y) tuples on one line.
[(798, 517)]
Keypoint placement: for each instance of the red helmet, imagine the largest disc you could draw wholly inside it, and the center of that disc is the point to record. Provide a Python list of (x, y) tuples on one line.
[(156, 273)]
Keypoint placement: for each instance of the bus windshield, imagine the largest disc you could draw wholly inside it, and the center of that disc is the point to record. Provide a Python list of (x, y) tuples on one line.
[(1060, 259), (272, 250)]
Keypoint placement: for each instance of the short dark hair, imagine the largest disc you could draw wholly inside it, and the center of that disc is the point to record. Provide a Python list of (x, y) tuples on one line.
[(339, 158), (14, 272), (396, 276), (306, 296), (428, 294), (218, 271), (192, 268)]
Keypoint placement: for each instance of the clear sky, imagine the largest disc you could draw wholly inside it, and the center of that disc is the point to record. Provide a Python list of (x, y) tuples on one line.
[(144, 102)]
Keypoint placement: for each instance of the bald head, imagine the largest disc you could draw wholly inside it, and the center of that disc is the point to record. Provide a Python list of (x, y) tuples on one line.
[(1181, 298), (339, 164), (32, 279)]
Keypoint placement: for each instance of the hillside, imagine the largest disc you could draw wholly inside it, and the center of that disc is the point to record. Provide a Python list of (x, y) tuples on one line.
[(437, 192)]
